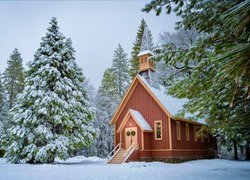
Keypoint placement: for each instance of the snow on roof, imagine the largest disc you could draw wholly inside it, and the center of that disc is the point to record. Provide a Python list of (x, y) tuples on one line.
[(145, 39), (173, 105), (145, 52), (141, 120)]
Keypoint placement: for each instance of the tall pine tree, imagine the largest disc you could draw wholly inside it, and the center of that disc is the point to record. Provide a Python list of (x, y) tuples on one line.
[(218, 86), (51, 117), (106, 102), (4, 118), (113, 86), (14, 77), (134, 62), (168, 73), (120, 70)]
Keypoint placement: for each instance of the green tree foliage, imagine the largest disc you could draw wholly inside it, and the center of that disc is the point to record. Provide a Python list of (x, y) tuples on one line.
[(113, 86), (106, 102), (134, 62), (4, 118), (14, 77), (52, 116), (170, 43), (218, 86), (120, 70)]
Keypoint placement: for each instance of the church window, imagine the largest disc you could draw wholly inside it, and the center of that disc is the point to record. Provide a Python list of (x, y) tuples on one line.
[(158, 130)]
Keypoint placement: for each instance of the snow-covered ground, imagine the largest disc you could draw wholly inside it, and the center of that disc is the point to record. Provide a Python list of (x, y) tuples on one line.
[(95, 168)]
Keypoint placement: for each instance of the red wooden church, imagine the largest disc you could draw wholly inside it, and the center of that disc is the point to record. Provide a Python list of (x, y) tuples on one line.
[(145, 126)]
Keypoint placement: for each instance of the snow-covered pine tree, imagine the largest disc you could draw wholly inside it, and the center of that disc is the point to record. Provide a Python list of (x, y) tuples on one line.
[(14, 77), (1, 135), (217, 87), (169, 43), (52, 114), (106, 102), (2, 100), (113, 86), (134, 62), (4, 118), (91, 91), (120, 71)]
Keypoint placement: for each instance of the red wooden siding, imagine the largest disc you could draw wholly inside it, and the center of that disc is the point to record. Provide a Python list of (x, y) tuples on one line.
[(132, 123), (141, 101), (148, 140), (183, 143)]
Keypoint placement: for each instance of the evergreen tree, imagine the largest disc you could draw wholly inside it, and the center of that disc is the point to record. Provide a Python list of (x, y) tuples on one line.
[(171, 42), (134, 62), (1, 139), (106, 102), (218, 86), (51, 117), (14, 77), (91, 91), (120, 71), (113, 86), (4, 118)]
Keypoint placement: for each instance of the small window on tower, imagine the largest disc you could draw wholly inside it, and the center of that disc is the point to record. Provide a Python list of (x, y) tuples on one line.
[(158, 130), (141, 61), (146, 59)]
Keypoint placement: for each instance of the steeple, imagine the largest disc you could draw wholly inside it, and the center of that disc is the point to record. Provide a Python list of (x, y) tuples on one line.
[(145, 46), (146, 66)]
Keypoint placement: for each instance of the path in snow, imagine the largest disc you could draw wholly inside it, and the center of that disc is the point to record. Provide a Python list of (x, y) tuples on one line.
[(95, 168)]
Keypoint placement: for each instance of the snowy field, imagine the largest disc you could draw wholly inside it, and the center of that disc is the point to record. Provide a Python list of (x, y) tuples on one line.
[(96, 168)]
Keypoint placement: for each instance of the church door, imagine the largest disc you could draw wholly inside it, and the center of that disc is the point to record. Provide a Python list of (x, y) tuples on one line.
[(130, 136)]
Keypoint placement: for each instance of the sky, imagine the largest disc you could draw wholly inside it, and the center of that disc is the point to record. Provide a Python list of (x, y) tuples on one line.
[(95, 27)]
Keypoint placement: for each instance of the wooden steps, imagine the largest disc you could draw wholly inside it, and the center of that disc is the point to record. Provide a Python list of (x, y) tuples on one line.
[(118, 158)]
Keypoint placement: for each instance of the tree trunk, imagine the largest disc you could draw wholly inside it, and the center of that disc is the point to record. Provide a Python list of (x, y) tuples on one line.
[(247, 152), (235, 151)]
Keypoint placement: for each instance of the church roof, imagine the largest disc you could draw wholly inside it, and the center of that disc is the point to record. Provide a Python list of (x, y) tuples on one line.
[(169, 104), (140, 120), (145, 46), (145, 52), (173, 105)]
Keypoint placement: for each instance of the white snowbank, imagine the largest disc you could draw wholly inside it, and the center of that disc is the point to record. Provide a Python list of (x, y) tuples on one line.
[(96, 168)]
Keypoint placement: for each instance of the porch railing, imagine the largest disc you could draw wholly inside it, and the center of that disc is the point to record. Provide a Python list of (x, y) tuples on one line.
[(114, 152), (130, 150)]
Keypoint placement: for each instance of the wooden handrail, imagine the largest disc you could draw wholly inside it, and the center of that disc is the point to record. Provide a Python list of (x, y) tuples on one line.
[(130, 150), (114, 152)]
